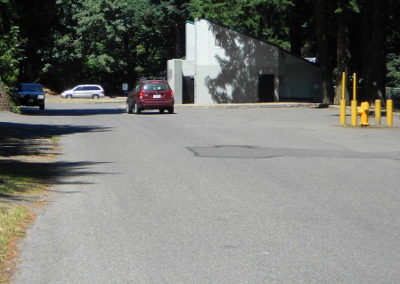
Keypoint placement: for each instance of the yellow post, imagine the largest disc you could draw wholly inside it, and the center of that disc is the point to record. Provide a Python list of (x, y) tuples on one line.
[(342, 111), (389, 112), (354, 86), (378, 112), (354, 102), (353, 113), (343, 100)]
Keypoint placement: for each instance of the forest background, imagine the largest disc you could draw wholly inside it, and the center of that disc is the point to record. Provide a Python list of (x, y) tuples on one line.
[(62, 43)]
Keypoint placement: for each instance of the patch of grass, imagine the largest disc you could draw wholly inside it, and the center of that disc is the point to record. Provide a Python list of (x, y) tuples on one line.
[(16, 109), (19, 186), (13, 220), (55, 140)]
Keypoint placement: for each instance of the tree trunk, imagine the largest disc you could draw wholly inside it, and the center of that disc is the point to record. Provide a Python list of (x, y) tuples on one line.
[(343, 53), (374, 59), (323, 52), (294, 28)]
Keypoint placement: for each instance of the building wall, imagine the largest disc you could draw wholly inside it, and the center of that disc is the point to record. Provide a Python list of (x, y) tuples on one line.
[(176, 70), (228, 65), (190, 41), (299, 79)]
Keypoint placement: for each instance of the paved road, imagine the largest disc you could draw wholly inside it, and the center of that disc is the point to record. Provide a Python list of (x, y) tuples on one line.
[(216, 196)]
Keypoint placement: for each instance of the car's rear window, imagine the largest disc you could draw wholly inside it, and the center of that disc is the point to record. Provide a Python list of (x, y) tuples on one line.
[(155, 86), (34, 88)]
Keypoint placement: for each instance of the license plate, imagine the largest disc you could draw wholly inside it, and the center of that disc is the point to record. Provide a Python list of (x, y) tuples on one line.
[(156, 96)]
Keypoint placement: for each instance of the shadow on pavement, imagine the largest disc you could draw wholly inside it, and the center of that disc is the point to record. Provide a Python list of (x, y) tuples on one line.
[(72, 112), (26, 139), (27, 150)]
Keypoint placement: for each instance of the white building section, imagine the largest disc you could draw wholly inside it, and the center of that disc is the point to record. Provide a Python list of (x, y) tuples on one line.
[(225, 66)]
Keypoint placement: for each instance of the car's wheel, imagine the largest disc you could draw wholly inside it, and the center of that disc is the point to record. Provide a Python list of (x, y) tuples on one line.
[(68, 96), (171, 110), (137, 109), (95, 97), (162, 110), (128, 109), (41, 106)]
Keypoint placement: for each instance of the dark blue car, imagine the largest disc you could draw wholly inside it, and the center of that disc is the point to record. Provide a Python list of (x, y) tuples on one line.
[(30, 94)]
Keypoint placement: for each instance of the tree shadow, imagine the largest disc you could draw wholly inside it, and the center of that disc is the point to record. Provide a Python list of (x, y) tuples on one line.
[(72, 112), (48, 173), (28, 151), (18, 139), (241, 59), (45, 173)]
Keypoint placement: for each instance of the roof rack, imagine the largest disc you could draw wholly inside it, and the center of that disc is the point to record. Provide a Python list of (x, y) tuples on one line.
[(152, 78)]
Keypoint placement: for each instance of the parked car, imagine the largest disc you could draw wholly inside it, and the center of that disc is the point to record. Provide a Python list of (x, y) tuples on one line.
[(31, 94), (150, 94), (84, 91)]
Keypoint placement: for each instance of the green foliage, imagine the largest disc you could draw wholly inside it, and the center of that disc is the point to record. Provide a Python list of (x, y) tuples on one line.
[(393, 70), (260, 18), (65, 42), (10, 56), (110, 42), (101, 34), (351, 5)]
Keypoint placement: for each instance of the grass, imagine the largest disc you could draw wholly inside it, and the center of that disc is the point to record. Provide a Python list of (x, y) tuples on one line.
[(13, 222), (55, 140), (14, 219), (23, 184), (20, 186)]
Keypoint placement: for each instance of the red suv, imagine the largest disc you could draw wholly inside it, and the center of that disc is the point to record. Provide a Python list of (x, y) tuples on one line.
[(150, 94)]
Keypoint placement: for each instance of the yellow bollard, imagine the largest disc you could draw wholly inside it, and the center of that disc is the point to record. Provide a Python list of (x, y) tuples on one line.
[(378, 112), (343, 100), (342, 111), (353, 113), (389, 112), (354, 102), (364, 112)]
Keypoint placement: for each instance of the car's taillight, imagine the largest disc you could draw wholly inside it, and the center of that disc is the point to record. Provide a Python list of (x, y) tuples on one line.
[(172, 94), (140, 96)]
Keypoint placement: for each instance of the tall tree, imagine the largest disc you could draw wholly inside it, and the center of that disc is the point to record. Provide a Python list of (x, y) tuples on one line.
[(323, 49), (10, 56), (266, 19), (392, 46), (11, 51), (343, 13), (36, 19), (374, 48)]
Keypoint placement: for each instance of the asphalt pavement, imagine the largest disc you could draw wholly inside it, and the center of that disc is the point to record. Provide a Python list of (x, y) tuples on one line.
[(215, 195)]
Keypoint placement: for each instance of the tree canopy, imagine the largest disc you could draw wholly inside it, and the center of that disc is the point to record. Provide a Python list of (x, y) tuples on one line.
[(61, 43)]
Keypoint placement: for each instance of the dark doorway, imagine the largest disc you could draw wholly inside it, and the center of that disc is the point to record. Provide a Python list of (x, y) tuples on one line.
[(188, 90), (266, 88)]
